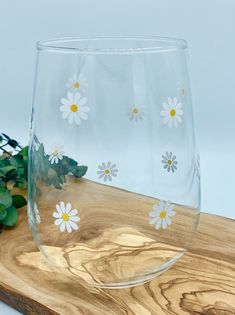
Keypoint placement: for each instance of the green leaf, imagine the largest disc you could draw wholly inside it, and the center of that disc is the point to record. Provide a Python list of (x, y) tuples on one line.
[(11, 217), (79, 171), (17, 161), (3, 215), (5, 198), (20, 183), (19, 201), (4, 161), (3, 185), (24, 152), (2, 207), (3, 212), (12, 143), (6, 170)]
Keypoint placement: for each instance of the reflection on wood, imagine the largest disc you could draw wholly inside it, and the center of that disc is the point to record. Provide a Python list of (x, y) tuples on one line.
[(202, 282), (115, 242)]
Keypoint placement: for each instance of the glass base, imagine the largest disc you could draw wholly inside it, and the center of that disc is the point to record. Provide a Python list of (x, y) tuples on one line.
[(143, 279)]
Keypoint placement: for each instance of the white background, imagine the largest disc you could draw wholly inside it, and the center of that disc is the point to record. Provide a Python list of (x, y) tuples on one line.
[(208, 26)]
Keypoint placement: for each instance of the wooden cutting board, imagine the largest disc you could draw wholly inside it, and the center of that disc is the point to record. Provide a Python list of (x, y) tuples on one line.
[(202, 282)]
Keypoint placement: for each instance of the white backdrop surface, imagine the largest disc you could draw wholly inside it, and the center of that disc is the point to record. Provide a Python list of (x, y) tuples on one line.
[(208, 26)]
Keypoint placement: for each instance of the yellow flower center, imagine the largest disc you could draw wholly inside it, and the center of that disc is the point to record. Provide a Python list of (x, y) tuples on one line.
[(163, 214), (173, 112), (169, 162), (65, 217), (135, 110), (55, 152), (76, 85), (107, 171), (74, 108)]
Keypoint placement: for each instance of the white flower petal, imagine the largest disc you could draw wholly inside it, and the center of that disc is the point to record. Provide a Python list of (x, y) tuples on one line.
[(168, 220), (58, 221), (62, 207), (84, 109), (174, 103), (70, 97), (164, 224), (56, 215), (170, 123), (77, 97), (65, 102), (68, 207), (65, 108), (158, 224), (170, 101), (74, 219), (82, 101), (77, 119), (165, 120), (68, 227), (59, 209), (154, 220), (72, 212), (172, 213), (153, 214), (166, 107), (62, 226), (73, 225), (71, 118), (164, 113), (83, 115)]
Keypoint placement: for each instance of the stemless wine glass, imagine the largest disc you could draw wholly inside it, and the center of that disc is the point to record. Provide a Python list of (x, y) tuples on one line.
[(114, 181)]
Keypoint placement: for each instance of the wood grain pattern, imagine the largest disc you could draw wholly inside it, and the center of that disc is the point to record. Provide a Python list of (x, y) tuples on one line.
[(202, 282)]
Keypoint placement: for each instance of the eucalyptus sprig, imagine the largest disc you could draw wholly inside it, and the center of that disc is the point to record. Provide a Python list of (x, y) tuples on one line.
[(14, 174)]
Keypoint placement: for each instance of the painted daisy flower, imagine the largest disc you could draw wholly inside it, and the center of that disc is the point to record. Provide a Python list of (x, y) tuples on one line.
[(36, 213), (182, 92), (66, 217), (169, 162), (77, 83), (172, 112), (162, 214), (136, 113), (107, 171), (74, 108), (56, 154), (33, 214)]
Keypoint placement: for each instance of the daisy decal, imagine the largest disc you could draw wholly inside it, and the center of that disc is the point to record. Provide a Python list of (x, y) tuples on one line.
[(33, 214), (56, 154), (66, 217), (172, 112), (77, 83), (162, 214), (74, 108), (136, 113), (107, 171), (169, 162)]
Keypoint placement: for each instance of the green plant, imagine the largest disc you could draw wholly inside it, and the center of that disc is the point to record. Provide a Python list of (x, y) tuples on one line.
[(14, 174)]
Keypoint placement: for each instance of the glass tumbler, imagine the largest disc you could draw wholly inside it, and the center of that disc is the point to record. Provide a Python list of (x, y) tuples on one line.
[(114, 179)]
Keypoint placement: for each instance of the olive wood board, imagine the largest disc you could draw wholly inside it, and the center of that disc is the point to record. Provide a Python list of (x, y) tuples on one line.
[(202, 282)]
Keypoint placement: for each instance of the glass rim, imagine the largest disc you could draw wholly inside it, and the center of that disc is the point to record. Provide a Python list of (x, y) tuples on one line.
[(158, 44)]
